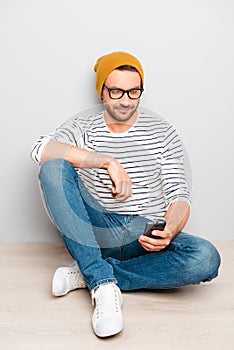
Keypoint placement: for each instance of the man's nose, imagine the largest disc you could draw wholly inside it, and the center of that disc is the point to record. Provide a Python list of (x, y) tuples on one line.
[(125, 99)]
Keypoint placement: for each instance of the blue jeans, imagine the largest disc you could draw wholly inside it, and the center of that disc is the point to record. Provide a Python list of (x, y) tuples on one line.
[(105, 244)]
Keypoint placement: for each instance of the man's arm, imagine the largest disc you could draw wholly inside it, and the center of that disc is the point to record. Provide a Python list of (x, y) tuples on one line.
[(176, 218), (82, 158), (78, 157), (173, 182)]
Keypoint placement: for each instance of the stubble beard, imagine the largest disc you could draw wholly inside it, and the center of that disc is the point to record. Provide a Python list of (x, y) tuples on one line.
[(118, 116)]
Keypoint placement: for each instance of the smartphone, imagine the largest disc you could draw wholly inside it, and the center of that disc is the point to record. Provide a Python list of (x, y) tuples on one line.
[(154, 225)]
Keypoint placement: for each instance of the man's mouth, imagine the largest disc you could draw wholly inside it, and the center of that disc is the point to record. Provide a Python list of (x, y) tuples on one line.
[(123, 110)]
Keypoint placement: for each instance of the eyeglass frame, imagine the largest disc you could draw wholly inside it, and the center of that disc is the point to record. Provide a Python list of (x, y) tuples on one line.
[(123, 92)]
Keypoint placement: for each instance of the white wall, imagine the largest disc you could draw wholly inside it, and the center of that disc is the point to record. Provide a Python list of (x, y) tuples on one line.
[(48, 49)]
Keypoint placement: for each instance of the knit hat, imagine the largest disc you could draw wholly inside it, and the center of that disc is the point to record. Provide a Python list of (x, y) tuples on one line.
[(107, 63)]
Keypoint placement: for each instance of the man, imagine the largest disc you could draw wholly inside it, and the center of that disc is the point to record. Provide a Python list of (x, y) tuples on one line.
[(103, 177)]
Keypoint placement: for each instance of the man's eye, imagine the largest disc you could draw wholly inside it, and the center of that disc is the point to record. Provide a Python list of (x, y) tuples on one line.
[(134, 92), (116, 92)]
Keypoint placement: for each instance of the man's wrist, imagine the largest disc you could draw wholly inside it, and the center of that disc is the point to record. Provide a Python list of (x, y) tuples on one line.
[(108, 162)]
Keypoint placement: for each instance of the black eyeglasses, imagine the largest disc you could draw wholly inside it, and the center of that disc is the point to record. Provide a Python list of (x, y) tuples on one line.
[(116, 94)]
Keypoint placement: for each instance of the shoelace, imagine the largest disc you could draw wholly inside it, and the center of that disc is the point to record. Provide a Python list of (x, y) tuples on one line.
[(75, 277), (106, 300)]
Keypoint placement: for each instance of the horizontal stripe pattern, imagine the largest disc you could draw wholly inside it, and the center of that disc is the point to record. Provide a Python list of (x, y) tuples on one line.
[(150, 151)]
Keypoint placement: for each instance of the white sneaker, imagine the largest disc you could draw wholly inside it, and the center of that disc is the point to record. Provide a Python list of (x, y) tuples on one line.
[(67, 279), (107, 317)]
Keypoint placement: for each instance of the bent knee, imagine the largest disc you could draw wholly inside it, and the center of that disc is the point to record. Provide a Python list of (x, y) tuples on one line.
[(51, 170), (209, 259), (202, 260)]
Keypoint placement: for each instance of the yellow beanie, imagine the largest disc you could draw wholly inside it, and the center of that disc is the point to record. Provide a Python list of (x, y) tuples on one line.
[(107, 63)]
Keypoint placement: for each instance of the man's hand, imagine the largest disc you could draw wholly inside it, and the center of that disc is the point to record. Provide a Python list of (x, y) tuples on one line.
[(82, 158), (156, 244), (176, 218), (121, 182)]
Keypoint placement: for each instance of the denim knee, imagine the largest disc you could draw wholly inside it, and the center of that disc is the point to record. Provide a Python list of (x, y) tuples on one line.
[(206, 260), (198, 256), (51, 171), (210, 260)]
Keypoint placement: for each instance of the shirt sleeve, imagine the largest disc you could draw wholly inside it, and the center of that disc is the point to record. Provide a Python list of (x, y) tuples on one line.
[(174, 180), (70, 132)]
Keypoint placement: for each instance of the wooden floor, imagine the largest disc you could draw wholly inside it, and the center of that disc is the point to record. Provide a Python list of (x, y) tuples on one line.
[(194, 317)]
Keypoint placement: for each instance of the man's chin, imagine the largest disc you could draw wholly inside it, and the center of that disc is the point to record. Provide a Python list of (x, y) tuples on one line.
[(120, 115), (121, 118), (123, 115)]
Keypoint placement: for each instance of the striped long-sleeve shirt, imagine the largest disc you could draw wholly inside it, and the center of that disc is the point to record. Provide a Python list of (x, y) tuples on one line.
[(150, 151)]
